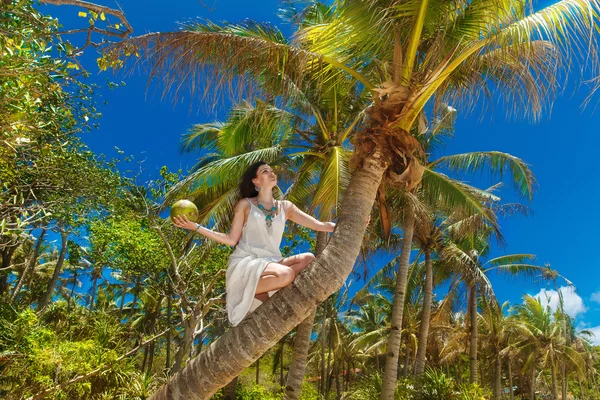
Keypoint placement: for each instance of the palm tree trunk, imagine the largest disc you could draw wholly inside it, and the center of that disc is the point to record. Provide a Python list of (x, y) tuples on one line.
[(168, 339), (146, 350), (347, 386), (510, 379), (7, 253), (498, 377), (151, 358), (281, 382), (240, 346), (532, 392), (330, 346), (257, 371), (390, 375), (59, 263), (94, 289), (405, 371), (554, 381), (473, 367), (564, 380), (123, 293), (302, 341), (30, 266), (425, 320), (336, 371), (72, 290), (323, 345)]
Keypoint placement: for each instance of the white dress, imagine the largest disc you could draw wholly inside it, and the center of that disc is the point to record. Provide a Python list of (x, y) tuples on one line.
[(257, 247)]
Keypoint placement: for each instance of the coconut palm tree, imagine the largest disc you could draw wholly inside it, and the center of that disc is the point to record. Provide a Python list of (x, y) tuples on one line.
[(316, 160), (406, 54), (540, 339), (369, 323), (467, 254)]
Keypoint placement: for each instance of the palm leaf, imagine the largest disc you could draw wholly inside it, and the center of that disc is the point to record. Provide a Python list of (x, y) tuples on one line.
[(497, 162)]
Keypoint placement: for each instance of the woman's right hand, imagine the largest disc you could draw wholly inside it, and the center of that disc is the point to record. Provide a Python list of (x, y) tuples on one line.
[(182, 221)]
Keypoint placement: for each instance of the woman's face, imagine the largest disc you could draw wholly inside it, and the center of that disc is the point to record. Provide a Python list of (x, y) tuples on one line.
[(265, 177)]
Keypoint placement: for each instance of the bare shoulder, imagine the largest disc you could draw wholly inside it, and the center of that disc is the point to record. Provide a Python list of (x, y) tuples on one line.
[(242, 206), (288, 206)]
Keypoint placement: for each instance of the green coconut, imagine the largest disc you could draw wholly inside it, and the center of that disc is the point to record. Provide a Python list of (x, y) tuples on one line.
[(185, 207)]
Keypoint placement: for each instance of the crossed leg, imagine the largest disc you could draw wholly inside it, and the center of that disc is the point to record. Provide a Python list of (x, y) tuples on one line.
[(279, 275)]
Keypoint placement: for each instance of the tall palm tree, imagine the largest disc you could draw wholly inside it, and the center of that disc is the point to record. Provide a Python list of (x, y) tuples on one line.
[(539, 338), (496, 330), (406, 55), (468, 254), (47, 297), (317, 159), (370, 323)]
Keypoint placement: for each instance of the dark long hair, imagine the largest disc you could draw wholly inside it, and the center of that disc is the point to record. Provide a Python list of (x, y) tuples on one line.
[(246, 186)]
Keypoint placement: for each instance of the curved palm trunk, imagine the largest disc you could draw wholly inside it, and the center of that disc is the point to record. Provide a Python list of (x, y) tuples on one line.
[(30, 266), (390, 375), (59, 263), (473, 378), (425, 320), (302, 341), (239, 347)]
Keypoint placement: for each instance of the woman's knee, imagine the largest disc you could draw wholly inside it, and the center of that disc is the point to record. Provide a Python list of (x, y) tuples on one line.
[(306, 259), (286, 276)]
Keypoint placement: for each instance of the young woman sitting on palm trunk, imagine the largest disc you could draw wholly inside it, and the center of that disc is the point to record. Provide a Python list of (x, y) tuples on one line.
[(256, 268)]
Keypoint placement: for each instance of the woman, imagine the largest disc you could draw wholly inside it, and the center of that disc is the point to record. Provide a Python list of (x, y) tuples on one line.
[(256, 268)]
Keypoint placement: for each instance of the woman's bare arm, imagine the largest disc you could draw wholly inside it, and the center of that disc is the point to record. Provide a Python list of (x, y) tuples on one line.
[(298, 216), (229, 239)]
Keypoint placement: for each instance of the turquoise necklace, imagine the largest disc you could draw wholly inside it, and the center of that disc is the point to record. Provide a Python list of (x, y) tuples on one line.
[(268, 213)]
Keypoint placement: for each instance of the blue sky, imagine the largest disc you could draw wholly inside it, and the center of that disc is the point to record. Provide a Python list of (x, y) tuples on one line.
[(562, 150)]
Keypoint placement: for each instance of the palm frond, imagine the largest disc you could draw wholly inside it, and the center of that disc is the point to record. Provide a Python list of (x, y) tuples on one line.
[(211, 59), (497, 162)]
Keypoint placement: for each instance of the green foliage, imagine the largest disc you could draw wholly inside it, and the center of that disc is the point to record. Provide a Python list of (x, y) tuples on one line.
[(44, 106), (367, 388), (473, 392), (42, 356), (436, 386), (127, 243), (309, 392), (255, 392)]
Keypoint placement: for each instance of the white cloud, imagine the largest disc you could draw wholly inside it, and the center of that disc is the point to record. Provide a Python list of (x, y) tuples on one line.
[(595, 297), (573, 303), (596, 338)]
